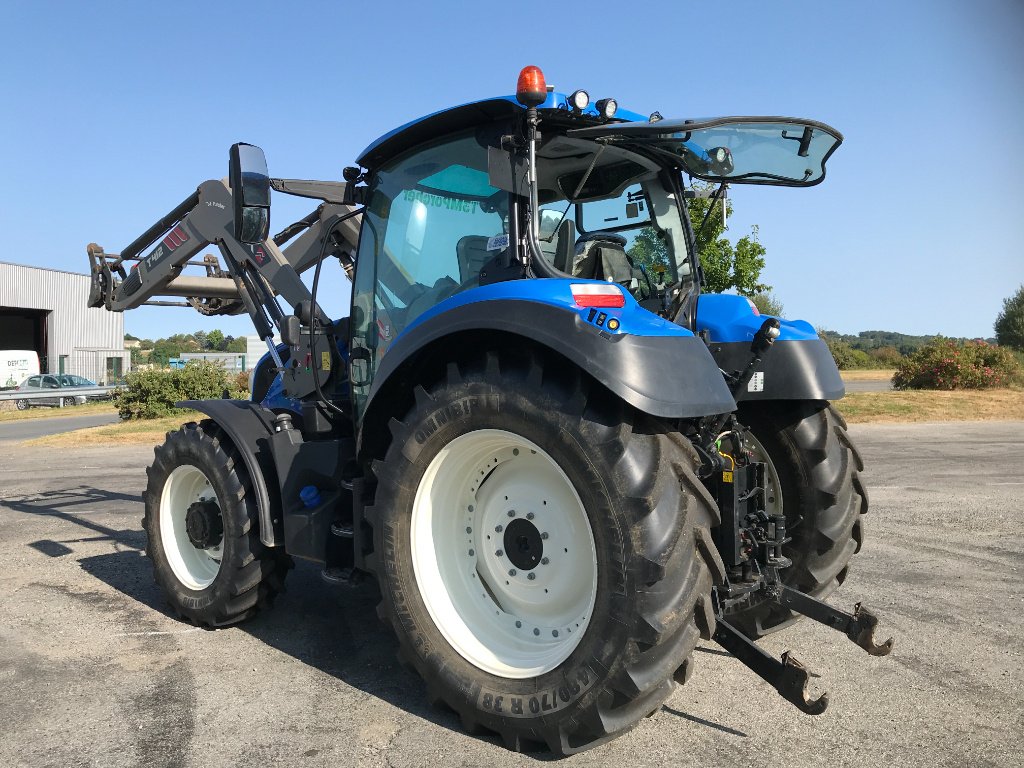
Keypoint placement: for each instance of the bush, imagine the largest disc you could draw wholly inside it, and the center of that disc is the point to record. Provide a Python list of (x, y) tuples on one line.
[(847, 357), (887, 357), (947, 364), (152, 394)]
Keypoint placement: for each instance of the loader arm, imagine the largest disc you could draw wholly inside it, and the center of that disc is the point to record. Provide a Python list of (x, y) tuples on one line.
[(205, 218), (253, 276)]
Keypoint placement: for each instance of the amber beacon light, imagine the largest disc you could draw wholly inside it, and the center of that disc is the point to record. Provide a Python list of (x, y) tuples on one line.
[(531, 90)]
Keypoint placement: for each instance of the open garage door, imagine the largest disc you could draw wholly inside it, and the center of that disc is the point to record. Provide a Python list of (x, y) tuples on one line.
[(24, 329)]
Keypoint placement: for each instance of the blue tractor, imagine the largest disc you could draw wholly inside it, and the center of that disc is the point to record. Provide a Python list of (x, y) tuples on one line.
[(561, 463)]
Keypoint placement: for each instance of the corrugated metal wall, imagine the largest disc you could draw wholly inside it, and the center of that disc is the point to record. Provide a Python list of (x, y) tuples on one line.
[(73, 329)]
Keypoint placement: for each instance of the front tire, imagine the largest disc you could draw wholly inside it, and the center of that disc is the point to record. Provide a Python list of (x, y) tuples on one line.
[(203, 530), (22, 405), (814, 476), (575, 635)]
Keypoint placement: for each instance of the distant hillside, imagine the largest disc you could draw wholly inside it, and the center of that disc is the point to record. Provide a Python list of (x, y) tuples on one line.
[(869, 340)]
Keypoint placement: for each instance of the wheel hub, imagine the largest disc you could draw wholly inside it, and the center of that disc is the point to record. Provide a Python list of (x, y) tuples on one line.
[(523, 544), (204, 525)]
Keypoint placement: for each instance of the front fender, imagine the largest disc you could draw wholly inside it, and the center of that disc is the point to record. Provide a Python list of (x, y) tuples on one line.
[(654, 365), (249, 426)]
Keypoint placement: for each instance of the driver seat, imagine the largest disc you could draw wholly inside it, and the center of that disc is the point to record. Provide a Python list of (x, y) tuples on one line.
[(602, 256)]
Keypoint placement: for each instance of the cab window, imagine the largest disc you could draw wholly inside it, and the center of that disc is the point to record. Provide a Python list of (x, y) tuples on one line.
[(431, 224)]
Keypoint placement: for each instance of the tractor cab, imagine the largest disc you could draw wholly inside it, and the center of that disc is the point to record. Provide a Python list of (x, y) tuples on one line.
[(546, 185)]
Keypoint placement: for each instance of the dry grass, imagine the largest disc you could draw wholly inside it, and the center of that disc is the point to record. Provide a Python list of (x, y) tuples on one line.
[(47, 412), (931, 405), (145, 432), (857, 407), (884, 374)]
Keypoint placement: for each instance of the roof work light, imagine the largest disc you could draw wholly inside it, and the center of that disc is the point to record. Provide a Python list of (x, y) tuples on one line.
[(579, 100), (606, 108)]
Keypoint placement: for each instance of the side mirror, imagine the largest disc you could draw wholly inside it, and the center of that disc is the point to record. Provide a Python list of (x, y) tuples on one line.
[(250, 190)]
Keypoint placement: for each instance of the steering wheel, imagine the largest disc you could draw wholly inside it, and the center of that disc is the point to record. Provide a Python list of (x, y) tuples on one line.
[(612, 237)]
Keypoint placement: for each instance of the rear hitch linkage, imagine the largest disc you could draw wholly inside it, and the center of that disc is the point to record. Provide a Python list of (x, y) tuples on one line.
[(788, 676), (750, 542)]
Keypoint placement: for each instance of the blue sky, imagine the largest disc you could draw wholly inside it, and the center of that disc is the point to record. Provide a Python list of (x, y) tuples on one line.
[(114, 112)]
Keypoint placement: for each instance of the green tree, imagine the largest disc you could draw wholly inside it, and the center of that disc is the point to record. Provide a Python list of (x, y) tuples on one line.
[(726, 266), (214, 339), (239, 345), (1010, 322), (649, 250), (164, 350), (767, 303)]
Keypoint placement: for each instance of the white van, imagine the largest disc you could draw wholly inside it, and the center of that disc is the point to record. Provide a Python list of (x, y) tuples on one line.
[(16, 365)]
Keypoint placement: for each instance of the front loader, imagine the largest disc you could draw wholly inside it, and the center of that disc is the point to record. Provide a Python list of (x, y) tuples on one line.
[(562, 463)]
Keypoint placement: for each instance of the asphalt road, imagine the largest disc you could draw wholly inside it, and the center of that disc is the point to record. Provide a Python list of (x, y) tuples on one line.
[(27, 429), (93, 671)]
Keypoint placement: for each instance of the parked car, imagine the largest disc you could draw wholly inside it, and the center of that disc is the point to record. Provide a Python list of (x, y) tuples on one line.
[(69, 380), (52, 389)]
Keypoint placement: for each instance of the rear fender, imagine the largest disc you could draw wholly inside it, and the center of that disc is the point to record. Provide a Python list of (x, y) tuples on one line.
[(656, 366), (798, 367), (250, 426)]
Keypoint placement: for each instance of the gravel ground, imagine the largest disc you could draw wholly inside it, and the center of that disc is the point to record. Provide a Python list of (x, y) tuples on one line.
[(94, 672)]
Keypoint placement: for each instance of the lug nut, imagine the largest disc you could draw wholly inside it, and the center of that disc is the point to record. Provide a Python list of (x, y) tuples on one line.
[(512, 572), (544, 535), (498, 529), (529, 515), (511, 513), (532, 576), (544, 561), (499, 553)]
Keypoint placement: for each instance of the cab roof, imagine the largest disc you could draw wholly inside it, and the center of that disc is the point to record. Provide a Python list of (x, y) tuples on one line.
[(476, 113)]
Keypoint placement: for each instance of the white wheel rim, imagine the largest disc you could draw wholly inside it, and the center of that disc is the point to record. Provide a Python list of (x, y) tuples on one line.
[(195, 568), (772, 486), (482, 599)]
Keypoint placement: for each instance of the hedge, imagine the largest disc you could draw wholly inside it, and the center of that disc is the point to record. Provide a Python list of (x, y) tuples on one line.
[(152, 394)]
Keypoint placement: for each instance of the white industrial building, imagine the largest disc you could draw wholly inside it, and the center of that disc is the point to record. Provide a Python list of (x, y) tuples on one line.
[(46, 310)]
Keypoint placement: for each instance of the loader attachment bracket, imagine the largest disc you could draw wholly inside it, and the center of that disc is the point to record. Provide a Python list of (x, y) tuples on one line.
[(787, 676)]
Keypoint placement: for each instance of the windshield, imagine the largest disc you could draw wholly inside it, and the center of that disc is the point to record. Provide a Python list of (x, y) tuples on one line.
[(607, 214), (741, 150)]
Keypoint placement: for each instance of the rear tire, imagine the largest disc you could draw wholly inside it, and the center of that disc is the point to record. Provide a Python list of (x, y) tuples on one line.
[(228, 576), (23, 405), (67, 402), (822, 497), (624, 511)]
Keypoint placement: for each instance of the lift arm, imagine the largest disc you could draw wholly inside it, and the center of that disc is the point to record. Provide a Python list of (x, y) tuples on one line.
[(253, 277), (205, 218)]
